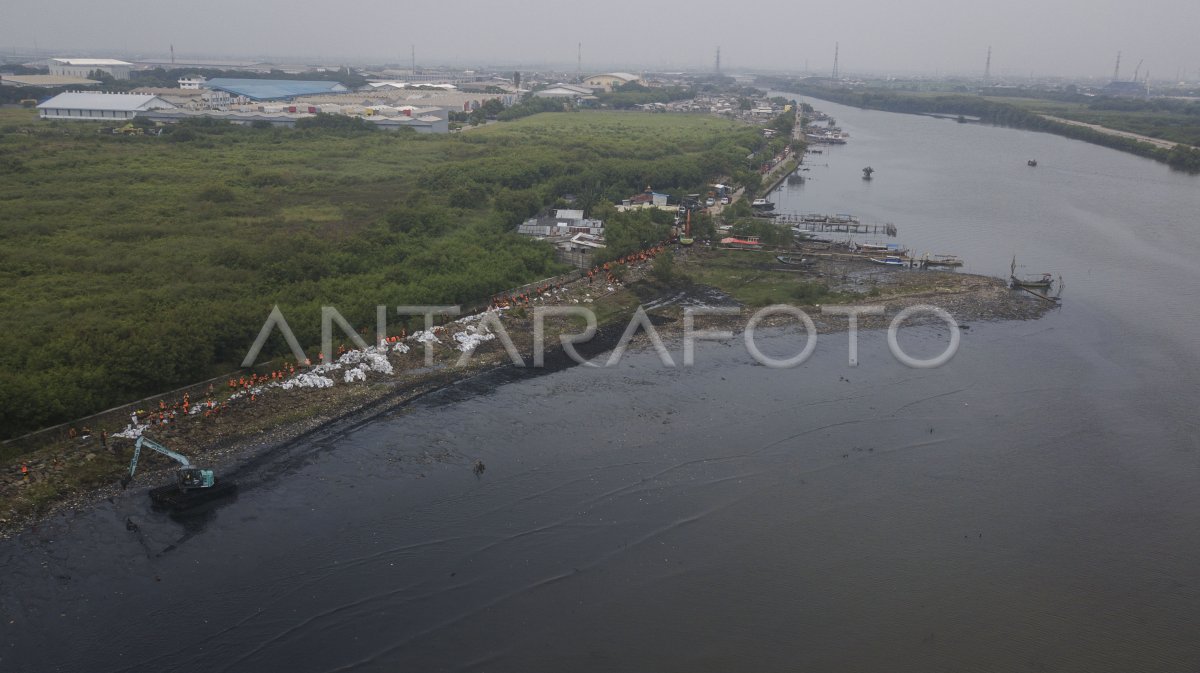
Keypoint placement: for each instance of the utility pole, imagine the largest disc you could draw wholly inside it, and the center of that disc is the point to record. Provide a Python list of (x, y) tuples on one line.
[(835, 60), (987, 68)]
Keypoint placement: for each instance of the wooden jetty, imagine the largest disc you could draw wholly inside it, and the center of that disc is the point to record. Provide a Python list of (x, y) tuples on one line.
[(834, 224)]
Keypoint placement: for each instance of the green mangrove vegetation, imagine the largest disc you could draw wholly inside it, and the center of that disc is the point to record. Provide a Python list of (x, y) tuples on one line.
[(134, 264)]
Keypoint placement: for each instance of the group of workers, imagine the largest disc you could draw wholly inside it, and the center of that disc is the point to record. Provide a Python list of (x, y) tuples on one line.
[(523, 298), (630, 259)]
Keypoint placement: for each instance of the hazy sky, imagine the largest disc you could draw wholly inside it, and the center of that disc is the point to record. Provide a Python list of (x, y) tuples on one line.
[(1069, 37)]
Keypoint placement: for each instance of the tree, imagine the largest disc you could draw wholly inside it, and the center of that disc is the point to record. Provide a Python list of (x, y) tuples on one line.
[(333, 122), (664, 267)]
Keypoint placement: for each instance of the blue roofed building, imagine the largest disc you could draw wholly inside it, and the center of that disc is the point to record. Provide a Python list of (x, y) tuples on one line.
[(273, 89)]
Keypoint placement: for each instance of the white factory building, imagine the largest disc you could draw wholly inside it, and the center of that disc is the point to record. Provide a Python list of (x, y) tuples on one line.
[(83, 67), (92, 106)]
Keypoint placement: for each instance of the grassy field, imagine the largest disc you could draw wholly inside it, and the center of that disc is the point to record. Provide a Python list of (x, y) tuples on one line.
[(752, 277), (133, 264)]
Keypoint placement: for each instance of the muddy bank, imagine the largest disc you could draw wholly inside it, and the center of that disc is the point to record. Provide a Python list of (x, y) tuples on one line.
[(67, 478)]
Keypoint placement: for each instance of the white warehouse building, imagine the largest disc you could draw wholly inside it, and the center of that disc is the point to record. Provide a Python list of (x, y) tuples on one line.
[(93, 106), (83, 67)]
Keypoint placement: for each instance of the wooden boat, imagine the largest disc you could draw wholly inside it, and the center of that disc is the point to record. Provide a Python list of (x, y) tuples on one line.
[(890, 260), (748, 243), (795, 261), (890, 249), (1043, 281), (941, 260)]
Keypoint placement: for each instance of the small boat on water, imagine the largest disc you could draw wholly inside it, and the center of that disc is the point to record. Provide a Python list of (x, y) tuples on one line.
[(890, 260), (890, 249), (1031, 162), (762, 204), (941, 260), (867, 173), (1042, 281)]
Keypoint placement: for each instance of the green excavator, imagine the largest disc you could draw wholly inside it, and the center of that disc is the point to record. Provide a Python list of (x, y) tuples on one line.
[(193, 486)]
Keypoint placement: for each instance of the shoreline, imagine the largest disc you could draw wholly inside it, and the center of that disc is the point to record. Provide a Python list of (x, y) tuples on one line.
[(252, 433)]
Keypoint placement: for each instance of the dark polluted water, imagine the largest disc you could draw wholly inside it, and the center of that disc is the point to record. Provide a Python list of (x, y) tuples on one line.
[(1031, 505)]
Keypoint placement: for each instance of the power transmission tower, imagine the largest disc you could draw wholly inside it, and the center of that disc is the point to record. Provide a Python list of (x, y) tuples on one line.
[(1117, 70), (579, 60), (987, 68), (718, 70), (835, 60)]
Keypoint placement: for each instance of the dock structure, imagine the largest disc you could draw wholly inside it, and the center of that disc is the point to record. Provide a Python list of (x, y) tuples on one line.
[(844, 224)]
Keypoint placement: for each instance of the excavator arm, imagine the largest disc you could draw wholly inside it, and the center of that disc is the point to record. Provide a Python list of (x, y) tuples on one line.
[(151, 444)]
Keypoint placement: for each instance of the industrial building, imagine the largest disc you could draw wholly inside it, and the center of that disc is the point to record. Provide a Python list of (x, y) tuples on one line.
[(45, 81), (571, 91), (94, 106), (83, 67), (611, 80), (273, 89), (419, 120)]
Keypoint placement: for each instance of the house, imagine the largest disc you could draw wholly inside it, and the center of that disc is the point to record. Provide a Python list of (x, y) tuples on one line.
[(84, 67), (579, 250), (647, 198), (91, 106), (610, 81), (192, 82)]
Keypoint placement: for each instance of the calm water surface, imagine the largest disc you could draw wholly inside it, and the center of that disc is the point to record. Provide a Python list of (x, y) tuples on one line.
[(1033, 505)]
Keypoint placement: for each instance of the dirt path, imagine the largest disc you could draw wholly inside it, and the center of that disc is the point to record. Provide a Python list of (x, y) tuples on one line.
[(1165, 144)]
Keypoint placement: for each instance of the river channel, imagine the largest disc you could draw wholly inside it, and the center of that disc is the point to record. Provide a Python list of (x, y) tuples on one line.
[(1034, 504)]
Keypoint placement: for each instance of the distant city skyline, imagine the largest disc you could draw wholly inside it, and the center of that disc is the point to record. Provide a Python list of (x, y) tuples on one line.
[(1076, 38)]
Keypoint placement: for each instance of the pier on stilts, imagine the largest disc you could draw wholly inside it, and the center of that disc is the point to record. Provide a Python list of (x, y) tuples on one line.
[(841, 224)]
